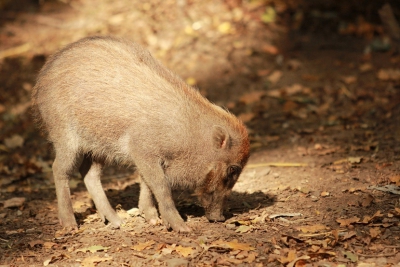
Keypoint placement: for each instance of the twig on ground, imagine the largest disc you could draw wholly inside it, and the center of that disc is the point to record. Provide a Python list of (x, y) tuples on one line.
[(276, 164)]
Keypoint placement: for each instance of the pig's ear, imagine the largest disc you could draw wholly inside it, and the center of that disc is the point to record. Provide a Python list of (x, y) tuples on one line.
[(220, 137)]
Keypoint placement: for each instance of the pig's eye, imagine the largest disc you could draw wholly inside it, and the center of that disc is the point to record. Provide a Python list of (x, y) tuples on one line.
[(234, 171)]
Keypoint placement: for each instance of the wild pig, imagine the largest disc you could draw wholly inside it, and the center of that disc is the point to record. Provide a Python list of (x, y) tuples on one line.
[(107, 100)]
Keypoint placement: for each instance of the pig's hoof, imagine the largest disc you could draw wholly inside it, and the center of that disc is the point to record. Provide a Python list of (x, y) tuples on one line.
[(151, 216), (184, 229), (69, 224), (154, 221), (116, 223), (181, 228)]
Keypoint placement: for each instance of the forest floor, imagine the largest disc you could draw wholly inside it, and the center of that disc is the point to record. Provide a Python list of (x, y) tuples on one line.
[(319, 93)]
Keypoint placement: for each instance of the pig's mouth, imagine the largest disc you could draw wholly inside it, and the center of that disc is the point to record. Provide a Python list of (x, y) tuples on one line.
[(215, 216)]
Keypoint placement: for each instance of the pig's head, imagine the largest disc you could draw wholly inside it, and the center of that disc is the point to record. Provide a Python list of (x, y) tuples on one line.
[(229, 155)]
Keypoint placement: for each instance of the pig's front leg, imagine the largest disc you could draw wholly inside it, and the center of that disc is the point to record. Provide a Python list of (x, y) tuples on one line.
[(91, 171), (154, 177), (146, 204)]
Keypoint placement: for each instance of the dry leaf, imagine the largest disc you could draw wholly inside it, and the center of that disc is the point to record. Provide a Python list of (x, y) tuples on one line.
[(294, 89), (251, 97), (234, 244), (310, 77), (35, 242), (246, 117), (92, 260), (49, 244), (325, 194), (225, 28), (374, 232), (397, 210), (191, 81), (395, 179), (243, 229), (277, 93), (349, 235), (349, 79), (366, 219), (184, 251), (365, 67), (275, 76), (367, 201), (142, 246), (14, 202), (251, 257), (290, 257), (263, 72), (299, 262), (335, 234), (389, 74), (270, 49), (294, 64), (311, 228), (290, 106), (14, 141), (348, 221)]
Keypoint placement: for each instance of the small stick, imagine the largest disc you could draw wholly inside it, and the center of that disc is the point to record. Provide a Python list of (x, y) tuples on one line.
[(378, 255), (276, 164), (389, 21), (15, 50)]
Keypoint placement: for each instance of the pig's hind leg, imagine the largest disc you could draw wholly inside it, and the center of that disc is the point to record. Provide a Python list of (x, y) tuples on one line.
[(147, 204), (63, 167), (91, 171)]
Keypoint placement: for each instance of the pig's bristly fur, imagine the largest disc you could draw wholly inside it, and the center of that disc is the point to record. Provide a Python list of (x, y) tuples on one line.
[(108, 100)]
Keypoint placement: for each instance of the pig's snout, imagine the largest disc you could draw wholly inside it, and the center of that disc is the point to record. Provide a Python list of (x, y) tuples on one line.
[(215, 216)]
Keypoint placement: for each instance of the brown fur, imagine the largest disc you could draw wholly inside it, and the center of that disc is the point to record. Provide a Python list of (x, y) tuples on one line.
[(105, 99)]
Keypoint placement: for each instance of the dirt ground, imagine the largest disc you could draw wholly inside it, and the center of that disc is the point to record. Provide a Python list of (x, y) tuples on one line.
[(318, 86)]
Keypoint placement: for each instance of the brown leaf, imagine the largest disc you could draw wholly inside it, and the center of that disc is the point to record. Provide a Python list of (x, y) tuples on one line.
[(290, 106), (389, 74), (142, 246), (275, 76), (310, 77), (14, 141), (365, 67), (184, 251), (270, 49), (93, 260), (395, 179), (234, 244), (251, 97), (290, 257), (49, 244), (252, 257), (366, 219), (311, 228), (14, 202), (264, 72), (294, 89), (335, 234), (348, 221), (349, 235), (374, 232), (246, 117), (35, 242), (367, 201), (325, 194), (349, 79), (294, 64)]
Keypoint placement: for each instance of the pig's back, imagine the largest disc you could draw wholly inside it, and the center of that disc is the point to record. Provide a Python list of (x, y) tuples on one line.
[(100, 88)]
